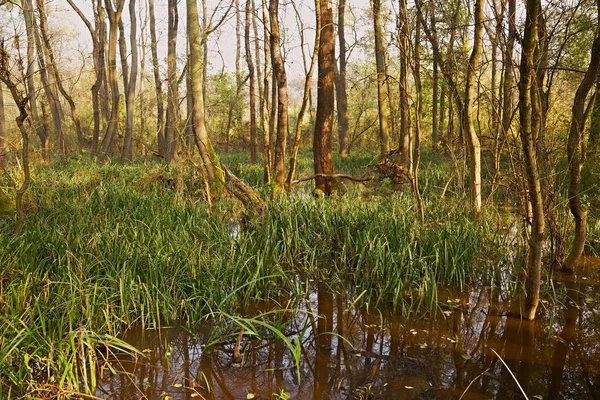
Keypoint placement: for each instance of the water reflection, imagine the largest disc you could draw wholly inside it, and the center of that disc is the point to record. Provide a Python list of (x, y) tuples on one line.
[(382, 355)]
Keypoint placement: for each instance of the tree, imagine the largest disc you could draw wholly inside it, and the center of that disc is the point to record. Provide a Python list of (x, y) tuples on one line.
[(130, 88), (382, 94), (114, 16), (529, 123), (282, 95), (3, 133), (210, 160), (340, 84), (403, 46), (252, 81), (576, 153), (170, 135), (160, 108), (323, 159)]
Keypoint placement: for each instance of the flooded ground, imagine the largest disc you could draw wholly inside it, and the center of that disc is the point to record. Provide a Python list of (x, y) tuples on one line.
[(345, 352)]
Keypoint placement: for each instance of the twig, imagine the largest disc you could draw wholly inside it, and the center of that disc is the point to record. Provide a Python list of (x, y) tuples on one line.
[(335, 176)]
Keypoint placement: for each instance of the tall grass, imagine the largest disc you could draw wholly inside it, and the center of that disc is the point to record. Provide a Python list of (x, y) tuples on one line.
[(109, 247)]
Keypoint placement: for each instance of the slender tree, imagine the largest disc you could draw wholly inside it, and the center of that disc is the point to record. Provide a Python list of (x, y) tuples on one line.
[(170, 135), (114, 16), (3, 133), (382, 93), (576, 151), (323, 159), (130, 88), (403, 45), (526, 132), (340, 84), (160, 108), (210, 160), (252, 81), (282, 95)]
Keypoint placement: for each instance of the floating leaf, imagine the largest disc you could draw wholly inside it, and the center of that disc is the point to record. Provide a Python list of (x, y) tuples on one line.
[(466, 356), (250, 396), (409, 387), (537, 396)]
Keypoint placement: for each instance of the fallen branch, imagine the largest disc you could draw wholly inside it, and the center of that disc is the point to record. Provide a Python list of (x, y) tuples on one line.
[(336, 176)]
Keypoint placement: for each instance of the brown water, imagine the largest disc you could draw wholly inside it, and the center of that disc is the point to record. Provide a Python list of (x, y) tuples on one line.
[(382, 355)]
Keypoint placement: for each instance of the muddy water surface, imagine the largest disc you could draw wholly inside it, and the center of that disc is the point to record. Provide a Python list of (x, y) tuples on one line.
[(347, 352)]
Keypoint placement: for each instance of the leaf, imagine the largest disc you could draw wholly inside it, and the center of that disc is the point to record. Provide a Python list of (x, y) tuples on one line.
[(250, 396), (409, 387), (177, 385), (466, 356)]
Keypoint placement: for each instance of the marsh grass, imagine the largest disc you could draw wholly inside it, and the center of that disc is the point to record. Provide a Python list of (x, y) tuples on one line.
[(106, 248)]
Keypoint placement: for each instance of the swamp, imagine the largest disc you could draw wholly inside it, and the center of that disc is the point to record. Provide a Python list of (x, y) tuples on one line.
[(243, 199)]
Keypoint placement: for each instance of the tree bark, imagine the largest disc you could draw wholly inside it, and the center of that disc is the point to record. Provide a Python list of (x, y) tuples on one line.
[(210, 160), (267, 122), (57, 75), (403, 39), (323, 159), (31, 89), (160, 108), (594, 139), (382, 94), (130, 89), (474, 143), (576, 152), (282, 95), (170, 135), (526, 133), (340, 84), (305, 98), (47, 82), (114, 16), (3, 133), (252, 82)]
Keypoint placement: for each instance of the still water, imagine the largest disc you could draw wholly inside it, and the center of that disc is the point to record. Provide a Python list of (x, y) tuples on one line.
[(347, 352)]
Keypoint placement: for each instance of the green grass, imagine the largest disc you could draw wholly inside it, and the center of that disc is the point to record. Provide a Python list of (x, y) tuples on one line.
[(109, 247)]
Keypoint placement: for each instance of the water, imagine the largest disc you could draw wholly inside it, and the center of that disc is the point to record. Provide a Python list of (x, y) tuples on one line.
[(382, 355)]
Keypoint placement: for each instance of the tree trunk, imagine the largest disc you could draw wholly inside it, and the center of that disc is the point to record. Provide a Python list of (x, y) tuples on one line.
[(403, 39), (416, 155), (130, 89), (474, 143), (31, 89), (210, 161), (3, 145), (305, 98), (160, 108), (526, 133), (47, 83), (434, 106), (382, 94), (594, 140), (170, 135), (252, 82), (282, 95), (52, 62), (508, 78), (576, 152), (266, 122), (323, 159), (340, 84)]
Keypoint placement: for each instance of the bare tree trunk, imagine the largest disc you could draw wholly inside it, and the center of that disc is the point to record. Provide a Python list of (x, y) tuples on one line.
[(434, 106), (57, 75), (31, 89), (305, 98), (160, 108), (282, 95), (576, 152), (416, 156), (382, 94), (474, 143), (47, 83), (114, 16), (252, 82), (526, 132), (130, 89), (340, 84), (267, 123), (322, 148), (594, 140), (170, 134), (3, 133), (190, 106), (20, 100), (403, 39), (211, 163)]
